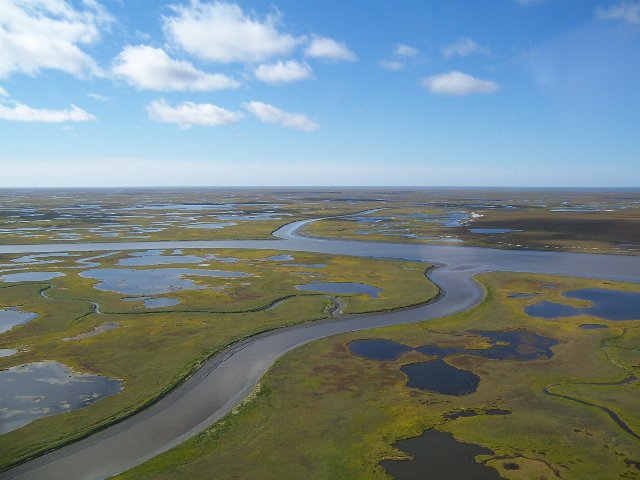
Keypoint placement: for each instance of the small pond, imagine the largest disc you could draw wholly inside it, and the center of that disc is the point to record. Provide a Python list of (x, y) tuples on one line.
[(607, 304), (439, 376), (11, 317), (39, 389), (341, 287), (150, 302), (30, 276), (280, 258), (153, 281), (7, 352), (439, 456), (592, 326)]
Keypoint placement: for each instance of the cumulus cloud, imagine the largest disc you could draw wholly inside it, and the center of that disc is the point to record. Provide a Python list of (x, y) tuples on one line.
[(626, 11), (402, 50), (49, 34), (269, 114), (329, 49), (187, 114), (19, 112), (151, 68), (283, 72), (222, 32), (462, 47), (458, 84)]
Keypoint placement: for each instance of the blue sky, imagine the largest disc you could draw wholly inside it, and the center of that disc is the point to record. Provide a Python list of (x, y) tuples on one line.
[(330, 92)]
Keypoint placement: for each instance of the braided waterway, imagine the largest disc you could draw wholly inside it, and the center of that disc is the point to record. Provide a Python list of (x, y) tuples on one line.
[(230, 376)]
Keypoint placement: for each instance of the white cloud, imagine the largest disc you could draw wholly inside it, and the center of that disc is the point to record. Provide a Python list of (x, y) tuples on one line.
[(330, 49), (151, 68), (97, 96), (458, 83), (222, 32), (283, 72), (269, 114), (393, 65), (402, 50), (3, 92), (188, 114), (626, 11), (48, 34), (462, 47), (19, 112)]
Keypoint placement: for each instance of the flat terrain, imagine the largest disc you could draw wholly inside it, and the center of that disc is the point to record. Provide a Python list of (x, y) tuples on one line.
[(154, 348), (323, 412)]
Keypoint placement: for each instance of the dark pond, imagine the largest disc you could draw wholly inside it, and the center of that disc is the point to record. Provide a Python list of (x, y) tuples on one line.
[(517, 344), (341, 287), (439, 456), (378, 349), (592, 326), (131, 281), (489, 231), (40, 389), (439, 376), (9, 318), (521, 295), (607, 304), (30, 276)]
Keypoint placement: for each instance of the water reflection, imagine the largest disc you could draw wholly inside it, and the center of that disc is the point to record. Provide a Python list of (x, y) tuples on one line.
[(39, 389)]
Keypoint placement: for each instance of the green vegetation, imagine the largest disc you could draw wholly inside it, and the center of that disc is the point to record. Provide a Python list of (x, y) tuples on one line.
[(187, 334), (321, 412)]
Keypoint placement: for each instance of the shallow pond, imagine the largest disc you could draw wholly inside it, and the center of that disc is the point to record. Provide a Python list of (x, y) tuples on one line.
[(153, 281), (280, 258), (607, 304), (592, 326), (30, 276), (9, 318), (341, 287), (40, 389), (154, 302), (439, 456), (439, 376), (7, 352)]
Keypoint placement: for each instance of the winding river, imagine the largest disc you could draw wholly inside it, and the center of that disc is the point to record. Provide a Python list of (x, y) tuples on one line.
[(231, 375)]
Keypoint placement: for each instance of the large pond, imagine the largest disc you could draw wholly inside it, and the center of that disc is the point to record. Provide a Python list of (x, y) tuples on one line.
[(30, 276), (153, 281), (439, 456), (607, 304), (40, 389), (11, 317), (341, 287), (518, 344)]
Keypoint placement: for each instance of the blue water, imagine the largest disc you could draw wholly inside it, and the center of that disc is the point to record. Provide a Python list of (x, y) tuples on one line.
[(607, 304), (378, 349)]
